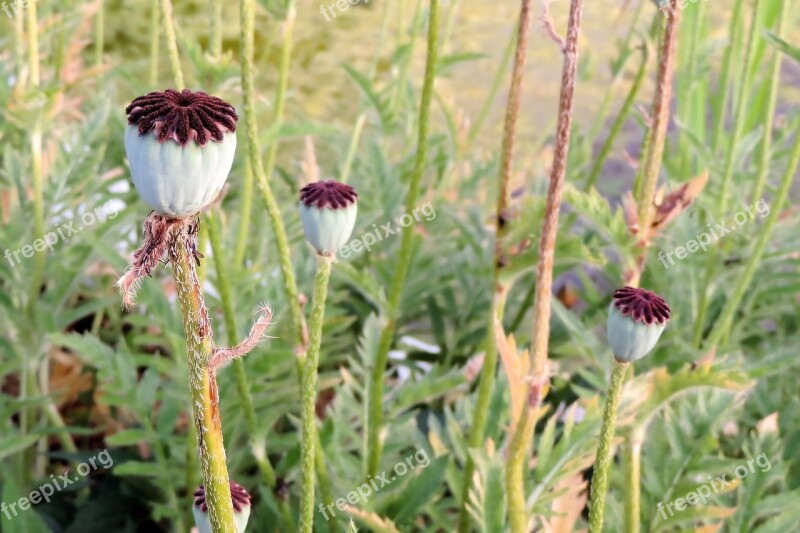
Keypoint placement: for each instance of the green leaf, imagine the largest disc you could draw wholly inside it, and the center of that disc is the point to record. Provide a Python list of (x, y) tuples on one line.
[(419, 491), (788, 49), (139, 468), (129, 437), (12, 444)]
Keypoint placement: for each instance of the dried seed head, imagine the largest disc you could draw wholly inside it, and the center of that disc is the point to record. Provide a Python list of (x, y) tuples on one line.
[(636, 320), (328, 211), (182, 116), (178, 179), (641, 305), (328, 193)]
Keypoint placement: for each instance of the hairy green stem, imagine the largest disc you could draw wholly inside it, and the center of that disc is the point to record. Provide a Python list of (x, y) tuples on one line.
[(375, 411), (155, 35), (245, 212), (215, 44), (309, 390), (722, 96), (616, 128), (499, 290), (739, 117), (239, 371), (602, 463), (633, 470), (277, 119), (202, 385), (99, 35), (773, 78), (247, 11), (172, 43), (723, 324)]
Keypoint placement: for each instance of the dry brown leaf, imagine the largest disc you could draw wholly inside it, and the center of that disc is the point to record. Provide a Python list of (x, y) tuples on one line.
[(676, 202), (516, 366), (567, 507)]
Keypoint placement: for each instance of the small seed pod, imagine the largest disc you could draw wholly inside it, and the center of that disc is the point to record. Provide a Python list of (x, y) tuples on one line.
[(180, 146), (328, 211), (636, 319), (241, 508)]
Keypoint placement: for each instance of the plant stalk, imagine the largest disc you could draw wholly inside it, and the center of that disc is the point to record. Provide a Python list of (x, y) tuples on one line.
[(765, 151), (499, 290), (602, 463), (375, 411), (663, 96), (247, 12), (239, 371), (155, 34), (172, 43), (202, 385), (516, 463), (723, 324), (739, 117), (309, 391)]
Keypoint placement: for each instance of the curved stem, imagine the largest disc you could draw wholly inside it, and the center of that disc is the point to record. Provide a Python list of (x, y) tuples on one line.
[(309, 391), (602, 463), (215, 45), (516, 463), (723, 324), (740, 114), (202, 383), (769, 113), (502, 215), (375, 412), (172, 43), (633, 468), (597, 167), (155, 34), (658, 130), (99, 36), (247, 11)]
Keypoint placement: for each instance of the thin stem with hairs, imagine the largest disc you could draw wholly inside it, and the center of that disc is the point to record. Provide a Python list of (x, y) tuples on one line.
[(519, 449), (499, 289), (309, 390), (376, 382)]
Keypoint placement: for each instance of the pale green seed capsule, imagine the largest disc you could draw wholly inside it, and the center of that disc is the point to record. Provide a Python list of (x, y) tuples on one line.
[(636, 320), (328, 211), (180, 146)]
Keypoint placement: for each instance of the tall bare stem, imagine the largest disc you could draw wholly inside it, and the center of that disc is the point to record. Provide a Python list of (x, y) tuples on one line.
[(375, 412), (500, 290), (519, 449)]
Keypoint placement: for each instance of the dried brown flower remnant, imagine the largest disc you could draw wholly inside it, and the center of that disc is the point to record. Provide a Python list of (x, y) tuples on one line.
[(328, 193), (641, 305), (182, 116)]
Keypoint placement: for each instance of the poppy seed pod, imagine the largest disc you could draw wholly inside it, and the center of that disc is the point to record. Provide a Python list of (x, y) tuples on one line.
[(636, 319), (180, 146), (328, 211), (241, 508)]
